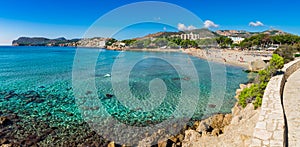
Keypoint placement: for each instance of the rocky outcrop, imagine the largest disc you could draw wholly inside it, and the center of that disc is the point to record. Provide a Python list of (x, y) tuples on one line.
[(40, 41), (4, 121), (214, 125), (233, 129)]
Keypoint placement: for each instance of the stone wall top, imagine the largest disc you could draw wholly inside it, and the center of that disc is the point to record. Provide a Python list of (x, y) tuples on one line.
[(270, 128)]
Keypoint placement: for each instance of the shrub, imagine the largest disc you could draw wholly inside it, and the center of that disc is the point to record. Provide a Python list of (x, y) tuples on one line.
[(263, 76), (255, 93), (287, 52), (249, 94), (277, 62), (297, 55), (258, 102)]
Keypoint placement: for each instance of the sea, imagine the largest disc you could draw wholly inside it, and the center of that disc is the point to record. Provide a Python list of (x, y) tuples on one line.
[(52, 86)]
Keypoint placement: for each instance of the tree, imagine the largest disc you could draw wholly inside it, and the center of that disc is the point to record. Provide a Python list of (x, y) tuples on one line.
[(160, 42), (128, 42), (255, 93), (228, 41), (173, 45), (287, 52), (224, 41), (188, 43), (277, 62), (110, 41)]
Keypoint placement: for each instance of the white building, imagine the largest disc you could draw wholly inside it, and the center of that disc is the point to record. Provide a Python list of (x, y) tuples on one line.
[(190, 36), (237, 40)]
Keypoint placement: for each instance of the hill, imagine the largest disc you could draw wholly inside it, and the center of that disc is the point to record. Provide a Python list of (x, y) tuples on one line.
[(41, 41), (158, 35), (246, 34), (204, 33)]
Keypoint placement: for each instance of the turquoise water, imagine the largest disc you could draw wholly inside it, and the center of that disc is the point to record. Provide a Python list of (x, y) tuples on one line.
[(36, 82)]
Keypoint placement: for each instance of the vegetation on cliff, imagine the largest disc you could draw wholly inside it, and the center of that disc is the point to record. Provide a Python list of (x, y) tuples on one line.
[(288, 52), (265, 40), (254, 94), (40, 41)]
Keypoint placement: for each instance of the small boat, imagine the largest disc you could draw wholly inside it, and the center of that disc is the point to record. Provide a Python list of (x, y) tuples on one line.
[(107, 75)]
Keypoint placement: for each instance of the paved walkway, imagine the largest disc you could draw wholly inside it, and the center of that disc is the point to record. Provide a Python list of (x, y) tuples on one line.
[(291, 102)]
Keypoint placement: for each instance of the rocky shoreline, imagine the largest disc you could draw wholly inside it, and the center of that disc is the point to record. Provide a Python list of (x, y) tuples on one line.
[(232, 129), (22, 124)]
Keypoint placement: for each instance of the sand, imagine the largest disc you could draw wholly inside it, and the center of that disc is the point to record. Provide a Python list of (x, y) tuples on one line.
[(231, 57)]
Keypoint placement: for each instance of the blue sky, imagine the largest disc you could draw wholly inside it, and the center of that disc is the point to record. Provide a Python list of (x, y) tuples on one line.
[(71, 18)]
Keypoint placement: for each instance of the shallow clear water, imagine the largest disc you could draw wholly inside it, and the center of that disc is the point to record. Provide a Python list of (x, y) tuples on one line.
[(36, 81)]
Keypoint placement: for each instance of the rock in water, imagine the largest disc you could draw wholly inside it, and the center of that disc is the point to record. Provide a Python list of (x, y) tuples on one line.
[(212, 106), (109, 95), (4, 121), (258, 65)]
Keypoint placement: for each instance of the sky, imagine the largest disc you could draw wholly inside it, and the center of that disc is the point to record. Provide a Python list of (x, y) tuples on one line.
[(85, 18)]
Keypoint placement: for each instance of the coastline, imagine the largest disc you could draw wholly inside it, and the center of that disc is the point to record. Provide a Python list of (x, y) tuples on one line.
[(145, 49), (37, 97), (237, 126), (242, 59), (223, 129), (238, 58)]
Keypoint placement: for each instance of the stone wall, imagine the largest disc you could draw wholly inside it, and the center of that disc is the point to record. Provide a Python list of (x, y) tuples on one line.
[(291, 67), (270, 128)]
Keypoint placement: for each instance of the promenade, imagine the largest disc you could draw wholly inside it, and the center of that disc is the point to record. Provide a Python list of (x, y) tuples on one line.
[(279, 121), (291, 103)]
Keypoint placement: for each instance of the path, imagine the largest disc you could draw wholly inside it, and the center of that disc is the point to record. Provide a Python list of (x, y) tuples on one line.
[(291, 102)]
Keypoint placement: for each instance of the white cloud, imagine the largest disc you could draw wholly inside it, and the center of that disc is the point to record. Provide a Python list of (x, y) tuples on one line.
[(256, 24), (210, 24), (191, 27), (156, 18), (182, 27), (165, 28)]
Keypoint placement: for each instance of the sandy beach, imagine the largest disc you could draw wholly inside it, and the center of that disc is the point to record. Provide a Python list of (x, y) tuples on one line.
[(231, 57), (225, 56)]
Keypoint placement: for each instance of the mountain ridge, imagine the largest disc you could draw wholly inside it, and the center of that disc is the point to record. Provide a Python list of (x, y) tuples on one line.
[(204, 33)]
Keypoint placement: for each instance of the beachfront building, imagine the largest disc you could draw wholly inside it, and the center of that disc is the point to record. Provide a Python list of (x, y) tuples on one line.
[(190, 36), (237, 40)]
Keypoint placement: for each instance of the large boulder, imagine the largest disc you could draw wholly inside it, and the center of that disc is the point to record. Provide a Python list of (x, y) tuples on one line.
[(227, 119), (204, 126), (257, 65), (191, 135), (217, 121), (4, 121), (216, 132)]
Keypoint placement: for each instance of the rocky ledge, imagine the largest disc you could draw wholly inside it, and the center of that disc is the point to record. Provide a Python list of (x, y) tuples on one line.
[(235, 129)]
